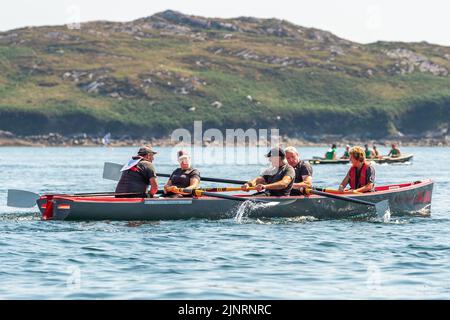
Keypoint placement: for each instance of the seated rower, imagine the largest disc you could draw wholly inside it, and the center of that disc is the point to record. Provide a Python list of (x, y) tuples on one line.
[(346, 154), (368, 152), (303, 171), (395, 152), (331, 153), (276, 181), (376, 153), (138, 174), (184, 177), (361, 175)]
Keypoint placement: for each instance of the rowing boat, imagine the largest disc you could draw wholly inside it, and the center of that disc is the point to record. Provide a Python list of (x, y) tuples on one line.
[(406, 198), (390, 160)]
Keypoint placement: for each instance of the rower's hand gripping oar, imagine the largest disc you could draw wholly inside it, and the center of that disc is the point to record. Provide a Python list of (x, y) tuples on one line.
[(381, 207), (111, 171)]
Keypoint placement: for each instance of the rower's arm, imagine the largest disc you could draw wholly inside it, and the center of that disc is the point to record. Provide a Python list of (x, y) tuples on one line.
[(368, 187), (154, 186), (344, 183), (194, 182), (253, 183), (256, 181), (307, 183), (279, 185), (167, 185)]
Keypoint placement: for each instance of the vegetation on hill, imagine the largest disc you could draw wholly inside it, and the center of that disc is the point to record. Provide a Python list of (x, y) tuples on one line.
[(147, 77)]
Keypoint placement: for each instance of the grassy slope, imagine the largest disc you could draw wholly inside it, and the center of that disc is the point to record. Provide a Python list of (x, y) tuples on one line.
[(35, 97)]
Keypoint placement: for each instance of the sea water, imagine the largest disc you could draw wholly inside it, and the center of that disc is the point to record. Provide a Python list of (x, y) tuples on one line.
[(404, 257)]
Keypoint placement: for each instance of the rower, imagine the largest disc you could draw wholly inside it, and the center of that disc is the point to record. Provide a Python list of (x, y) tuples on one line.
[(346, 154), (368, 153), (361, 175), (138, 174), (395, 152), (276, 181), (184, 177), (303, 171), (331, 153), (376, 153)]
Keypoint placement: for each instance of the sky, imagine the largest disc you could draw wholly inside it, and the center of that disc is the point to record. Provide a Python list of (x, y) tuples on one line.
[(362, 21)]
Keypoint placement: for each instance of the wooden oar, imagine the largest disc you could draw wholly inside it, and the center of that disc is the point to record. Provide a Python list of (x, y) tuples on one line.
[(203, 192), (27, 199), (184, 190), (111, 171), (334, 191), (381, 207), (242, 199)]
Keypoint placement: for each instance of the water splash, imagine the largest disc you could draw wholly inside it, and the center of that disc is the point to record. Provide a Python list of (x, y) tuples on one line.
[(248, 206)]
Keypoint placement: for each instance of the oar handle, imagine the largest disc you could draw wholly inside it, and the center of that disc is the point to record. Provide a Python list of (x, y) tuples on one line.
[(333, 190), (199, 192), (211, 179)]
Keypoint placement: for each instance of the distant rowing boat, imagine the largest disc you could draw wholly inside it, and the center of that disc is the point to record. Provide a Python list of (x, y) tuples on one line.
[(390, 160), (403, 198)]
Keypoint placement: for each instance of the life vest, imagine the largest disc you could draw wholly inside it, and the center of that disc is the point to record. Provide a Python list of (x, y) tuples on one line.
[(354, 183)]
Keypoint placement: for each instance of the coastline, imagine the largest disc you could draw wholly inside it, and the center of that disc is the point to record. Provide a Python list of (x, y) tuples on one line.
[(56, 140)]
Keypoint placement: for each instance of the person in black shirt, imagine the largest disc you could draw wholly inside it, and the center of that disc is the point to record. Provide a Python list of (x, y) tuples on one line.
[(184, 177), (138, 174), (303, 171), (276, 181)]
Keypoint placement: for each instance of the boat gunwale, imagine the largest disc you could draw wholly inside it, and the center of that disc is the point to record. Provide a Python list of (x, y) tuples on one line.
[(111, 199)]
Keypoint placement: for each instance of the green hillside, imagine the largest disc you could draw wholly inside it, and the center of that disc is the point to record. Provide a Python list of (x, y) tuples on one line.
[(147, 77)]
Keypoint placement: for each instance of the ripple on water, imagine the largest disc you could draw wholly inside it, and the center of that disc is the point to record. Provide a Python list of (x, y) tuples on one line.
[(256, 258)]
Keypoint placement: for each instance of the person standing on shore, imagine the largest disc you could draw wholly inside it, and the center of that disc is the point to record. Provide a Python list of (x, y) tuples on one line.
[(303, 171), (361, 175), (138, 174)]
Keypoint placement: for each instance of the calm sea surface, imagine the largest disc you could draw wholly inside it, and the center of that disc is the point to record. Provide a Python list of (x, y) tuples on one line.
[(301, 258)]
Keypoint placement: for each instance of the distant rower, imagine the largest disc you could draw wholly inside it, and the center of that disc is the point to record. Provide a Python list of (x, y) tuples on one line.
[(346, 154), (361, 175), (395, 152), (331, 153), (276, 181), (368, 153)]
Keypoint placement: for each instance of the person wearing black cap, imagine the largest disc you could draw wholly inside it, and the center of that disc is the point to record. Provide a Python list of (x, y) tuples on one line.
[(138, 174), (276, 181), (184, 177)]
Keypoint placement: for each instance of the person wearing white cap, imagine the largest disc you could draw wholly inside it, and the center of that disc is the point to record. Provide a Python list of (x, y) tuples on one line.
[(184, 177), (138, 174), (346, 154)]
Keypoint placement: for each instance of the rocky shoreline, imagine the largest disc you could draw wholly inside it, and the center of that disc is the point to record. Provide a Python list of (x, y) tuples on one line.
[(8, 139)]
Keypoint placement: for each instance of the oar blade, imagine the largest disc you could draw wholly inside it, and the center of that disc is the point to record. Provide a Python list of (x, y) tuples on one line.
[(21, 198), (111, 171), (383, 210)]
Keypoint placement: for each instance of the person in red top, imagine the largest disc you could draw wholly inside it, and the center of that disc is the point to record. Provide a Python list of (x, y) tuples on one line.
[(361, 175)]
